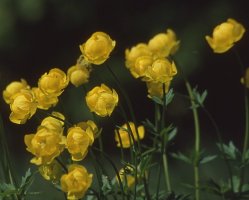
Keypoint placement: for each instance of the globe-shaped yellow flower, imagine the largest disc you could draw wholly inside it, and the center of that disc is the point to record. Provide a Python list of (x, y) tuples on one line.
[(132, 54), (156, 88), (45, 145), (164, 44), (141, 65), (90, 128), (76, 182), (97, 48), (23, 106), (78, 74), (13, 88), (123, 137), (225, 35), (53, 82), (44, 101), (54, 123), (51, 172), (162, 71), (127, 177), (78, 142), (102, 100)]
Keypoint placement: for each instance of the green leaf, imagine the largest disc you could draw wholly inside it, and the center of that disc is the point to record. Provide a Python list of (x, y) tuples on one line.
[(181, 157), (207, 159), (230, 151), (26, 182), (169, 97), (199, 97), (157, 100)]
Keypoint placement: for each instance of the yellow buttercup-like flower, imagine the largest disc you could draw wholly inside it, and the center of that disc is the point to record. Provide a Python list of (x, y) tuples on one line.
[(76, 182), (51, 172), (225, 35), (53, 82), (90, 128), (122, 135), (245, 80), (78, 74), (161, 70), (78, 142), (156, 88), (132, 54), (97, 48), (13, 88), (164, 44), (54, 123), (102, 100), (141, 65), (127, 177), (44, 101), (23, 106), (45, 145)]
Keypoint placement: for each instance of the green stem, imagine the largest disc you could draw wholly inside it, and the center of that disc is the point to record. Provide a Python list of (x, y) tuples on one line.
[(197, 140), (166, 172)]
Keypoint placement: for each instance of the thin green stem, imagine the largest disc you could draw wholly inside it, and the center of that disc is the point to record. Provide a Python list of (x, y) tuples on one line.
[(197, 140), (166, 172)]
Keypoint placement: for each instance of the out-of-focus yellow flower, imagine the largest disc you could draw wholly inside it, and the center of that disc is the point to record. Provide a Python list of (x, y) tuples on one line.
[(97, 48), (102, 100), (51, 172), (78, 142), (76, 182), (161, 71), (54, 124), (13, 88), (245, 80), (127, 177), (156, 88), (141, 65), (225, 35), (23, 106), (45, 145), (131, 55), (90, 128), (44, 101), (78, 74), (53, 82), (123, 135), (164, 44)]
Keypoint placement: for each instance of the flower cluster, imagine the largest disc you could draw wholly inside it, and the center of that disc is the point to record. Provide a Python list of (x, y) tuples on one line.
[(151, 62)]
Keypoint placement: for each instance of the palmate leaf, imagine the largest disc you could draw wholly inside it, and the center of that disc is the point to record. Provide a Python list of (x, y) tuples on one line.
[(230, 150), (168, 98)]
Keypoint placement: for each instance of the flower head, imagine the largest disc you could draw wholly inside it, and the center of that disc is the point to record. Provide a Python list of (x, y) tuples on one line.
[(127, 176), (102, 100), (76, 182), (164, 44), (78, 142), (90, 128), (97, 48), (132, 54), (45, 145), (141, 65), (156, 88), (53, 122), (225, 35), (23, 106), (13, 88), (53, 82), (161, 71), (123, 137)]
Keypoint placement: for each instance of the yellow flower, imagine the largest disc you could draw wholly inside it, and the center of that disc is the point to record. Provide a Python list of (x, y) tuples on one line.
[(78, 142), (44, 101), (102, 100), (164, 44), (23, 106), (51, 172), (156, 88), (53, 82), (76, 182), (161, 71), (45, 145), (127, 177), (131, 55), (90, 128), (13, 88), (123, 135), (245, 80), (97, 48), (78, 74), (225, 35), (54, 124), (141, 65)]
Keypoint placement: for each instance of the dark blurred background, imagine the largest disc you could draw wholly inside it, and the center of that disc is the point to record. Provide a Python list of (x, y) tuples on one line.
[(37, 35)]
